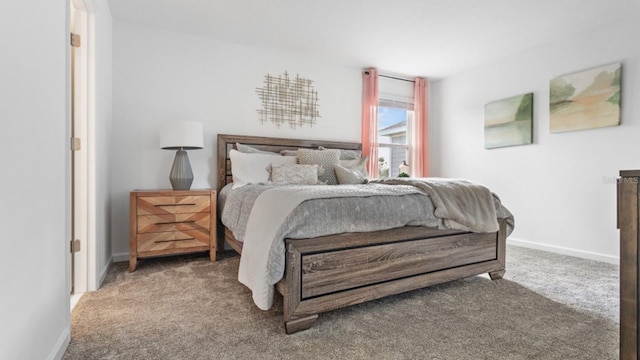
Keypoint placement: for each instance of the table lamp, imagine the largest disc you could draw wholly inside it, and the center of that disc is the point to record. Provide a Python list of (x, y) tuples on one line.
[(181, 136)]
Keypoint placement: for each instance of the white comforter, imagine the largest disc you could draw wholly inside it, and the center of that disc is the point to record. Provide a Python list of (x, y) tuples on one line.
[(263, 253)]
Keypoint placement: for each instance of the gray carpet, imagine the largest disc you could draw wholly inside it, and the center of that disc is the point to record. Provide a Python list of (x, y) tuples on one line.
[(547, 307)]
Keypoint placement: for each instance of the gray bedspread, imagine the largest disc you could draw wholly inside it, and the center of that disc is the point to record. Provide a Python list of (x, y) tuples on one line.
[(328, 216)]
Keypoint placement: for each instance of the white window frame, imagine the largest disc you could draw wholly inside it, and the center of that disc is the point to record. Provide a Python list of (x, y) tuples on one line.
[(399, 104)]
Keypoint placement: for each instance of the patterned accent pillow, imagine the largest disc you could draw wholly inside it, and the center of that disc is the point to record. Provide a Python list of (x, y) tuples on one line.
[(295, 174), (358, 164), (324, 158), (348, 176)]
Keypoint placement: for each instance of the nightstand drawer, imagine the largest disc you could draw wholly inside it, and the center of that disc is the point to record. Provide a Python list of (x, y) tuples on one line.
[(148, 205), (169, 240), (172, 222)]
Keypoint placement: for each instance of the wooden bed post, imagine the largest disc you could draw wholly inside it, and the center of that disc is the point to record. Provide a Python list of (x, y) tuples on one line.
[(291, 295), (501, 251)]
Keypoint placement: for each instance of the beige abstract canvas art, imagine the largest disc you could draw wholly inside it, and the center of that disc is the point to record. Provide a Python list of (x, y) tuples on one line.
[(585, 100)]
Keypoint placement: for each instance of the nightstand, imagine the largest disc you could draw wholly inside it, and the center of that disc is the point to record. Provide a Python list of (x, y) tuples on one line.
[(167, 222)]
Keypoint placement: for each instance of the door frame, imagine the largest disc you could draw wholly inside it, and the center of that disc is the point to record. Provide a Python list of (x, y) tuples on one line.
[(83, 221)]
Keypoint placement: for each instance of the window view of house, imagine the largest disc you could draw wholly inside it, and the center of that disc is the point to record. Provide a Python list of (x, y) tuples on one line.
[(395, 119), (393, 136)]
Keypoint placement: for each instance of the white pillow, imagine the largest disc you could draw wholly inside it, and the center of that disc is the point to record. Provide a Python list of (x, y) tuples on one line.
[(359, 164), (252, 168)]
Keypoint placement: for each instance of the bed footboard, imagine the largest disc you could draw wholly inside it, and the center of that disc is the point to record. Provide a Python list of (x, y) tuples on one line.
[(335, 271)]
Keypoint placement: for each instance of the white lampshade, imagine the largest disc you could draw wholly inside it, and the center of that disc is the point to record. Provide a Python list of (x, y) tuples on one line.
[(185, 135)]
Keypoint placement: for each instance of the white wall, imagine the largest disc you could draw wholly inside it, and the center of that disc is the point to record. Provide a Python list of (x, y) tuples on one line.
[(561, 189), (161, 76), (34, 306)]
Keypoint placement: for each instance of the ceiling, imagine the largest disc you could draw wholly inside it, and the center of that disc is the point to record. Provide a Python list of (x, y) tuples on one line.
[(432, 38)]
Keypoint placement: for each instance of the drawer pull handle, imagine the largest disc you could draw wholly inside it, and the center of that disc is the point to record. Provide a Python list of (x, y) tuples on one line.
[(163, 241), (176, 222), (189, 204)]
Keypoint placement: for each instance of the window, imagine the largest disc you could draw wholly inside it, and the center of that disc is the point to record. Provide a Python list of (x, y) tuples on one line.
[(395, 119)]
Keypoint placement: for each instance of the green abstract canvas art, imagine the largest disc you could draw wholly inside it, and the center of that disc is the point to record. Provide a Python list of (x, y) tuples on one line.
[(508, 122)]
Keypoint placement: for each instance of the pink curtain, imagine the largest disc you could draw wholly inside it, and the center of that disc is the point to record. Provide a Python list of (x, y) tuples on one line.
[(369, 135), (420, 141)]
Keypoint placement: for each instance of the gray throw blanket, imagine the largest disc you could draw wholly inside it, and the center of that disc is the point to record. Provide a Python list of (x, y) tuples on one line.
[(461, 204)]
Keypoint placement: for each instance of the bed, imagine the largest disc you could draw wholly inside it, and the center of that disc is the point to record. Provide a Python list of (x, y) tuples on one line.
[(329, 272)]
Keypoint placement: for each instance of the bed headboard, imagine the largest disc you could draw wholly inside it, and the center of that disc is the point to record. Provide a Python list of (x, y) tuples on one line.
[(228, 142)]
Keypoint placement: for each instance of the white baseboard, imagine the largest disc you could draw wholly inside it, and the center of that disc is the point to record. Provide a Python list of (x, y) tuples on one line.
[(74, 300), (61, 345), (565, 251), (517, 242), (119, 257), (104, 272)]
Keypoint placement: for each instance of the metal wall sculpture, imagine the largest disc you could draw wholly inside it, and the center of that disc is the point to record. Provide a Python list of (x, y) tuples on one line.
[(286, 100)]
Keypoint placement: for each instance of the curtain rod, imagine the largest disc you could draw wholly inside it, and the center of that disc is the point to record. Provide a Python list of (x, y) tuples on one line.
[(396, 78)]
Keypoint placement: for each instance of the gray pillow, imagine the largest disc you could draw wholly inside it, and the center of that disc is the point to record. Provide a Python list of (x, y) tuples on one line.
[(348, 176), (251, 150), (288, 153), (324, 158), (346, 154)]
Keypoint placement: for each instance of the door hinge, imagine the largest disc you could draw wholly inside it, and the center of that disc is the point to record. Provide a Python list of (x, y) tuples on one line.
[(76, 144), (75, 245), (75, 40)]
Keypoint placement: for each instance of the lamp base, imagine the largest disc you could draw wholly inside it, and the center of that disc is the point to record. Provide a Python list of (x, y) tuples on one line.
[(181, 176)]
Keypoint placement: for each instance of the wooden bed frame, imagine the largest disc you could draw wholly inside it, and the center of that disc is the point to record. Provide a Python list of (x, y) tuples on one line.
[(330, 272)]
